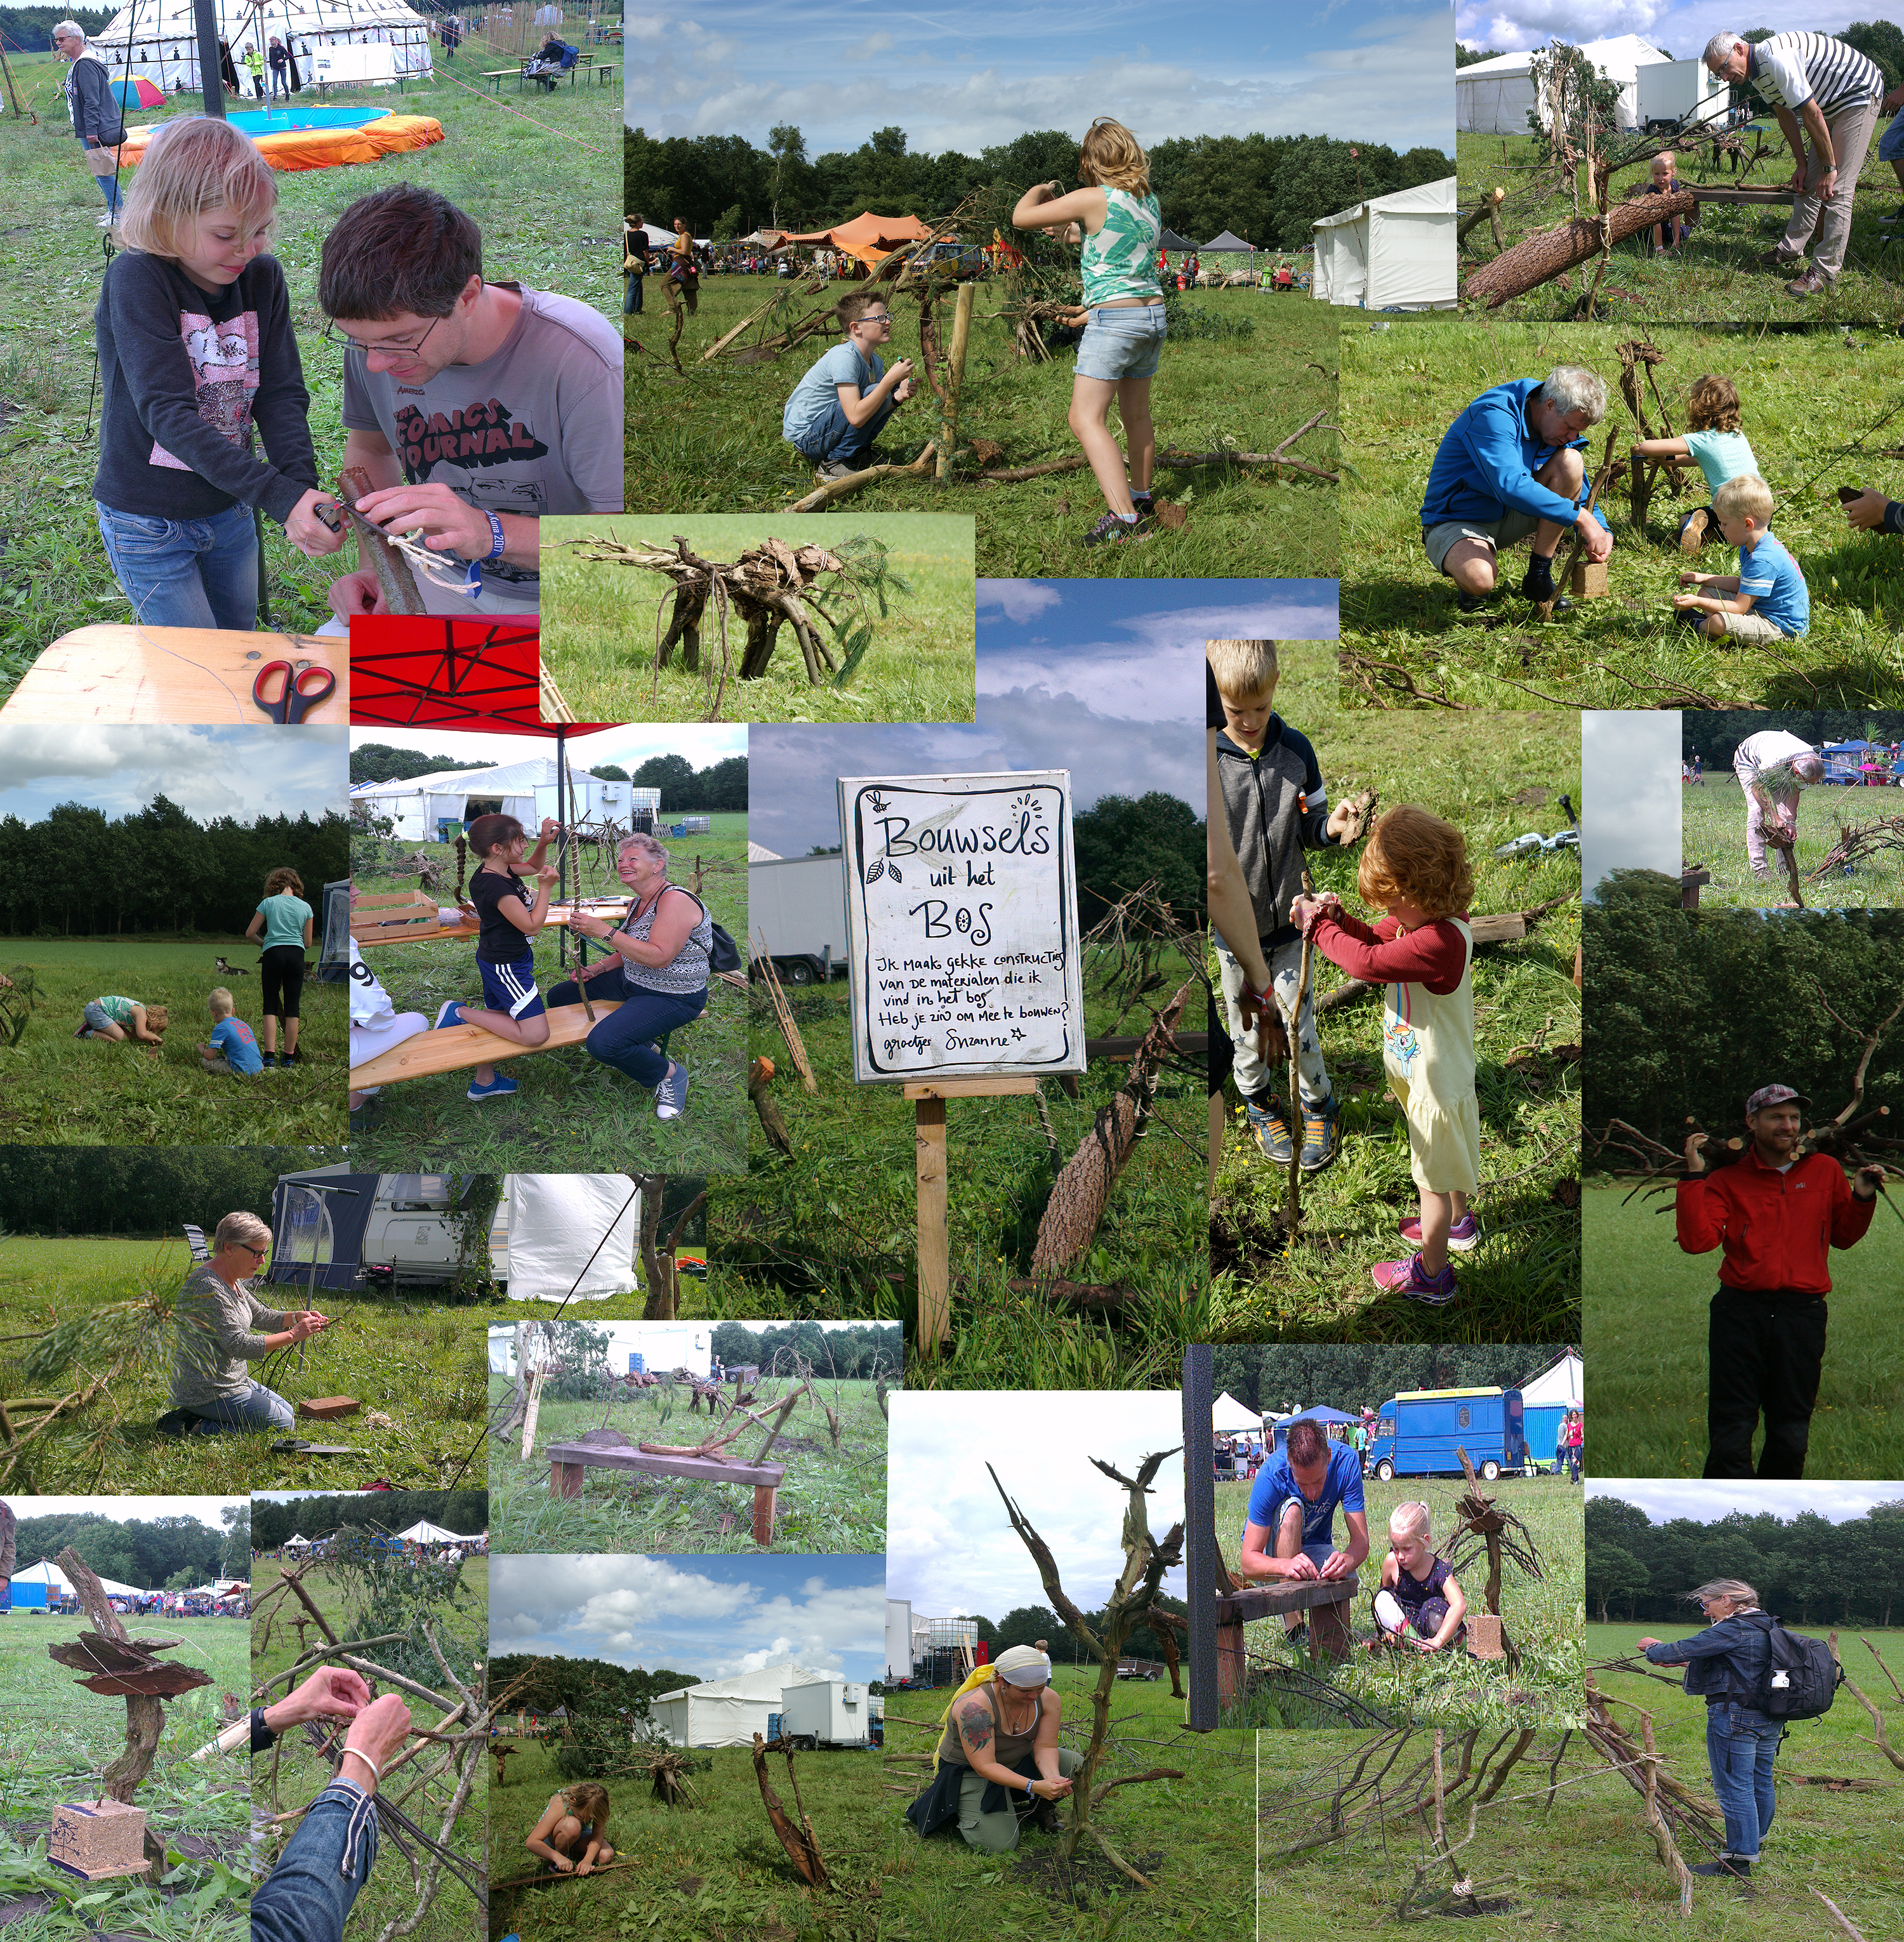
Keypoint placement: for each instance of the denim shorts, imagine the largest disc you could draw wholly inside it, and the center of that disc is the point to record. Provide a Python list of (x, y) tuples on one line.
[(511, 987), (1121, 343), (1890, 144)]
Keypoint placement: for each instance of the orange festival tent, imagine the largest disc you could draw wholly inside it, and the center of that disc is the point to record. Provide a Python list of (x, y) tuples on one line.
[(869, 237)]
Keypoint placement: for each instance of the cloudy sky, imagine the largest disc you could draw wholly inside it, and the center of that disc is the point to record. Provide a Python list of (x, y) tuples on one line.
[(1629, 792), (709, 1616), (1681, 28), (1101, 677), (244, 773), (703, 745), (1663, 1499), (949, 1547), (969, 76)]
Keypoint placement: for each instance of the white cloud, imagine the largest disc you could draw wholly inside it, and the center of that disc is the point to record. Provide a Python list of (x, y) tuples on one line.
[(874, 43), (1629, 792), (1017, 599)]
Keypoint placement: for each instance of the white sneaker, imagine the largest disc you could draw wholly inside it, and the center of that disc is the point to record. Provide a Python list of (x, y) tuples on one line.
[(106, 221)]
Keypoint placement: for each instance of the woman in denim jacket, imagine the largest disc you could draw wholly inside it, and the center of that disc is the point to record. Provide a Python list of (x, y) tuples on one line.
[(1726, 1663)]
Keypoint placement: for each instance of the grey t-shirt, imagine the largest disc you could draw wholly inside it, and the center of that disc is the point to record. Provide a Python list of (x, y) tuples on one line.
[(215, 1333), (535, 430)]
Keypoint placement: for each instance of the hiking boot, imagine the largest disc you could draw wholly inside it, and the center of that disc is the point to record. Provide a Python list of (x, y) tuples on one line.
[(499, 1087), (1411, 1279), (1463, 1236), (1726, 1864), (1475, 603), (1778, 259), (270, 1059), (1811, 284), (1693, 530), (1272, 1132), (1318, 1136), (671, 1095), (1044, 1817), (835, 468), (1113, 530)]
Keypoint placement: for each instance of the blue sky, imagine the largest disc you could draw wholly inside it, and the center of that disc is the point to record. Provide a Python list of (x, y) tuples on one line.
[(244, 773), (969, 77), (1511, 26), (709, 1616), (1100, 677)]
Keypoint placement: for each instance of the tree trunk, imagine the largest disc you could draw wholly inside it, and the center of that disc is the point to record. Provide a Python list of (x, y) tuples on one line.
[(1534, 261)]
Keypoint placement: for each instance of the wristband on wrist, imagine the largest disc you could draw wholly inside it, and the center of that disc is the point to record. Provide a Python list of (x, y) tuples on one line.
[(356, 1753), (496, 540)]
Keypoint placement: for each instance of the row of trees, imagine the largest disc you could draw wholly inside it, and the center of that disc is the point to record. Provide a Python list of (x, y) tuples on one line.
[(1713, 734), (1807, 1568), (1121, 840), (159, 1554), (593, 1686), (1267, 189), (466, 1512), (140, 1190), (721, 785), (1027, 1624), (866, 1349), (1349, 1375), (1688, 1011), (29, 29), (79, 874)]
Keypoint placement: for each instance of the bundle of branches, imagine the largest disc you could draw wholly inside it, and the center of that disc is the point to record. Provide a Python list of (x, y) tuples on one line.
[(1671, 1811), (1132, 1597), (782, 322), (1029, 319), (1481, 1526), (1858, 840), (1642, 473), (19, 995)]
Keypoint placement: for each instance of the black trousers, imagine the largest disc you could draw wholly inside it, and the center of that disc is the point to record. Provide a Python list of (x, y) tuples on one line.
[(1766, 1350)]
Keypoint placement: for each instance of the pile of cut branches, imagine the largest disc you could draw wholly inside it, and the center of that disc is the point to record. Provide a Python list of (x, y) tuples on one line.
[(1857, 840)]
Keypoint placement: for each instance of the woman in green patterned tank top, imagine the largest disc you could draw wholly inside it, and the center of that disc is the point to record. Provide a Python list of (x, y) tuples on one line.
[(1117, 220)]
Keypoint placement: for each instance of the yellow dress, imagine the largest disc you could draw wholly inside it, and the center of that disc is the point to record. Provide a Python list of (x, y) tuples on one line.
[(1427, 1050)]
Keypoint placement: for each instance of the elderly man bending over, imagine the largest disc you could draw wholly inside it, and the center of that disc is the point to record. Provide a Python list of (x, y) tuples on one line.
[(1772, 767), (1510, 468), (1288, 1536)]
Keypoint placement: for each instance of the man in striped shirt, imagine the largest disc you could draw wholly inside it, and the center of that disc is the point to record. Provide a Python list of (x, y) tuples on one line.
[(1823, 86)]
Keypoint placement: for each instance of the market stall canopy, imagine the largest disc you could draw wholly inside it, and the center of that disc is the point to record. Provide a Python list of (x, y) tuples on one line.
[(1227, 241), (1170, 240), (1228, 1417), (1559, 1383), (869, 237), (337, 40)]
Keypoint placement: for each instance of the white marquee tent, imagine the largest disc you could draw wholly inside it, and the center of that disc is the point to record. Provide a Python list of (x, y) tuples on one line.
[(424, 1532), (1228, 1417), (728, 1712), (1493, 97), (1545, 1399), (1391, 252), (526, 790), (159, 39), (57, 1585)]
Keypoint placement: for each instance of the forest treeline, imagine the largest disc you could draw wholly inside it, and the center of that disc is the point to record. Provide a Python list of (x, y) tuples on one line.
[(1027, 1624), (153, 1553), (1348, 1376), (1267, 189), (79, 874), (685, 788), (386, 1512), (1121, 841), (1713, 733), (866, 1350), (139, 1190), (1688, 1011), (1808, 1570), (580, 1685)]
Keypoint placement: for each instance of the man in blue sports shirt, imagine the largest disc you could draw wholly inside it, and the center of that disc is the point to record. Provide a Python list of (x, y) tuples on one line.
[(1288, 1538)]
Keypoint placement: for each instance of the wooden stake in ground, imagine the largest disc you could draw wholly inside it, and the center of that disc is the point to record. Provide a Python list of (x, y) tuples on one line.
[(954, 379), (1489, 206), (789, 1031), (802, 1845), (1546, 607)]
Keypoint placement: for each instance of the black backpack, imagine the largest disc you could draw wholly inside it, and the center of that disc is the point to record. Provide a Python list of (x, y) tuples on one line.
[(1801, 1677)]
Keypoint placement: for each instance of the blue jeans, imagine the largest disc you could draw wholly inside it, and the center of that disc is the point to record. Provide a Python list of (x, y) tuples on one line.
[(259, 1408), (836, 441), (280, 84), (631, 296), (624, 1037), (109, 189), (308, 1896), (185, 572), (1741, 1744), (1126, 342)]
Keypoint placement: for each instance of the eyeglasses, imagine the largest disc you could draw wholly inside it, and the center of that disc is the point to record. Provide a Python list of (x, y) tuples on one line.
[(876, 317), (257, 1253), (332, 335)]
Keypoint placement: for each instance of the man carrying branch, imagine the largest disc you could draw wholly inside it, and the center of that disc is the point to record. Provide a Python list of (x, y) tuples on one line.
[(1772, 767)]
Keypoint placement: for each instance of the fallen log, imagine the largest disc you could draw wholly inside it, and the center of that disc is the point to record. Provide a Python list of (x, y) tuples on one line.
[(1534, 261), (1079, 1294), (838, 488)]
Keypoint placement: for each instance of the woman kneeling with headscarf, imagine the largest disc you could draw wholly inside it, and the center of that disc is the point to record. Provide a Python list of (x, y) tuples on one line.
[(1000, 1763)]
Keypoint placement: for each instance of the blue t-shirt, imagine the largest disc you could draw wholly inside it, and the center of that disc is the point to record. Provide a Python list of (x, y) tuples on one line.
[(1276, 1484), (815, 396), (1720, 455), (1771, 575), (232, 1036), (285, 916)]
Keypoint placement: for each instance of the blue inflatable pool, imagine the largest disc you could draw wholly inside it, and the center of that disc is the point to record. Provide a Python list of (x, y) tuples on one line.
[(282, 120)]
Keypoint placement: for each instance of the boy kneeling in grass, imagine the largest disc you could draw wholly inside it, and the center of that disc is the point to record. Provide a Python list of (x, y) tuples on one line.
[(231, 1049), (125, 1018), (1767, 599), (837, 409)]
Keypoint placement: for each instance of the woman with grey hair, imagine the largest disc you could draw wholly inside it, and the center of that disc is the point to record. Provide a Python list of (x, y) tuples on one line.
[(1726, 1664), (661, 950), (93, 110)]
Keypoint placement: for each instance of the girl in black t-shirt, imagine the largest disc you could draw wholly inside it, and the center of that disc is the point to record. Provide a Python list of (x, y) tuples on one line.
[(511, 918)]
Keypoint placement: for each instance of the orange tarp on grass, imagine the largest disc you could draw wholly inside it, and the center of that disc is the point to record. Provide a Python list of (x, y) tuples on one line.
[(322, 148)]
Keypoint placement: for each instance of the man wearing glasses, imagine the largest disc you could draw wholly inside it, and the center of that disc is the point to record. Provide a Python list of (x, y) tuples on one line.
[(94, 113), (475, 408), (215, 1327), (837, 409)]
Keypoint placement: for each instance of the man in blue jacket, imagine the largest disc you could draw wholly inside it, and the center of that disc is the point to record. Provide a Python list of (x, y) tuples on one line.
[(1510, 468)]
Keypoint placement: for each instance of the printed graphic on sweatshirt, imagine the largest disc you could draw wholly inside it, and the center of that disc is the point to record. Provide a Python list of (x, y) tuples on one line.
[(481, 434), (224, 358)]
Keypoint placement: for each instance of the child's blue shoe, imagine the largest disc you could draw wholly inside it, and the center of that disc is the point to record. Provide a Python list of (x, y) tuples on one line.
[(452, 1014), (1272, 1131), (496, 1086)]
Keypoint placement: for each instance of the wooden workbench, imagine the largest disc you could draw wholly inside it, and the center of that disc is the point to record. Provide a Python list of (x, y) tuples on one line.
[(115, 671), (1326, 1603), (569, 1462)]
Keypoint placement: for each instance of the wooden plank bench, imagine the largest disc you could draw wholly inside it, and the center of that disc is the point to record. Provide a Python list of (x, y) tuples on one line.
[(569, 1463), (603, 70), (455, 1047), (496, 75), (1327, 1605)]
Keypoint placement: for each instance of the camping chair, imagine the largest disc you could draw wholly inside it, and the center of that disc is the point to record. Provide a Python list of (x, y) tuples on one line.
[(195, 1240)]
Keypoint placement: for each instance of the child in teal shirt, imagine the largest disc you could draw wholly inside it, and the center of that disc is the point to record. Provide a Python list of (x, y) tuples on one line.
[(1713, 443)]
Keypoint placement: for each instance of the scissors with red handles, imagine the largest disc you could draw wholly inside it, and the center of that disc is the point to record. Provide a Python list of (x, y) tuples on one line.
[(298, 699)]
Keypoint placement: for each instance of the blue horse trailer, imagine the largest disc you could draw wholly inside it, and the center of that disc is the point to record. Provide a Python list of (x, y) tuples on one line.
[(1419, 1431)]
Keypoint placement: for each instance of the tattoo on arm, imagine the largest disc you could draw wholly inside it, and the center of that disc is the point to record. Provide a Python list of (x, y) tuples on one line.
[(975, 1726)]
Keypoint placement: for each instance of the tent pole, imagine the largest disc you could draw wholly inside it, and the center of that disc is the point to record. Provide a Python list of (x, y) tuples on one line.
[(211, 81)]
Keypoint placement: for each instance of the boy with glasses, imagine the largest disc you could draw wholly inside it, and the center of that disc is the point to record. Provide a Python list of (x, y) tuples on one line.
[(838, 408)]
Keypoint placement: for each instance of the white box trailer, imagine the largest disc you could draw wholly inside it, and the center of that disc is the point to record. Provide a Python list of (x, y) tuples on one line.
[(824, 1713), (1673, 91), (796, 906)]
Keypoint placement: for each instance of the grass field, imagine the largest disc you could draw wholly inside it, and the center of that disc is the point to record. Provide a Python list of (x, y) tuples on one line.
[(535, 172), (833, 1498), (710, 441), (293, 1773), (571, 1113), (1645, 1331), (1586, 1864), (1712, 822), (1542, 1618), (61, 1091), (1805, 397), (56, 1738), (417, 1365), (600, 628), (833, 1232), (1715, 272), (1522, 1284)]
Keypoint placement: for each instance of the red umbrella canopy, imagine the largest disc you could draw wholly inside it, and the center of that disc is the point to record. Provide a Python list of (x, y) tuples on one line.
[(418, 672)]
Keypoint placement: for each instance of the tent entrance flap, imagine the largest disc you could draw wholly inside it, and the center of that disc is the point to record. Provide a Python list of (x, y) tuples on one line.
[(316, 1229)]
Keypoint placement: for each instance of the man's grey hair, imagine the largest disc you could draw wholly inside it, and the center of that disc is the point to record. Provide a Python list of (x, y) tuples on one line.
[(1812, 767), (70, 30), (1719, 50), (1569, 388)]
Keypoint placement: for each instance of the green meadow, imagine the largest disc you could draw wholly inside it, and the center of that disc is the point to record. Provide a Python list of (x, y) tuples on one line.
[(1713, 827)]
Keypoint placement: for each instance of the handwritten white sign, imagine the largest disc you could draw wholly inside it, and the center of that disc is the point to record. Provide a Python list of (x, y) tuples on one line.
[(962, 925)]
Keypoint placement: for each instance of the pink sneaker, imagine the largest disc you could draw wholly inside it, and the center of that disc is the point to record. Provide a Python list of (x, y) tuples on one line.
[(1409, 1279), (1464, 1236)]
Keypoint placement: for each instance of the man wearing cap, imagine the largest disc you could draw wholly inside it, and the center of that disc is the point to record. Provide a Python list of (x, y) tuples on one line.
[(1776, 1214), (1772, 767), (1289, 1537)]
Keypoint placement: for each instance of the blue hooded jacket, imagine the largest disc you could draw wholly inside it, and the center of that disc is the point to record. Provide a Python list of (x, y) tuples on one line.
[(1485, 466)]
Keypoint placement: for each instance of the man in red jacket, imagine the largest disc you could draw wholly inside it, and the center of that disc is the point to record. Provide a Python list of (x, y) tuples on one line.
[(1777, 1217)]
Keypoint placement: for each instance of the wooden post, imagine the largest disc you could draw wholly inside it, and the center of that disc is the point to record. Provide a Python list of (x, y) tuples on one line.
[(1203, 1562), (763, 1513), (566, 1479), (955, 378)]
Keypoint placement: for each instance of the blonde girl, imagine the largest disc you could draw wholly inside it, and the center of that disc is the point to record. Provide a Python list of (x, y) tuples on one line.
[(572, 1836), (196, 354), (1116, 218), (1420, 1598), (1415, 866)]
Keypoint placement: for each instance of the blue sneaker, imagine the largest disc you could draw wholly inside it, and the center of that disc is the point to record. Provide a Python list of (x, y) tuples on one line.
[(671, 1095), (496, 1086), (452, 1014)]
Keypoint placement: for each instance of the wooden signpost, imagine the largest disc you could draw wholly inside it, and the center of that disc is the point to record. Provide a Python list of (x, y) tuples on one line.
[(962, 946)]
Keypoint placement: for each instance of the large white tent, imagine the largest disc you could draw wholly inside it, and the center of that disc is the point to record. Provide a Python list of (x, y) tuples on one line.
[(1493, 97), (424, 1532), (50, 1582), (1228, 1417), (1545, 1399), (728, 1712), (418, 805), (1391, 252), (366, 40)]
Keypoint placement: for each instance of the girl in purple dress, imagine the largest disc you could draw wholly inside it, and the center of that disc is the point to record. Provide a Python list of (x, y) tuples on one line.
[(1420, 1598)]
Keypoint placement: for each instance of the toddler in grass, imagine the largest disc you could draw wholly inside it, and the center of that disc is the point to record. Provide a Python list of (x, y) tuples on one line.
[(1767, 599), (1714, 442), (1117, 219), (125, 1018), (231, 1049), (1665, 181), (572, 1836), (1416, 867), (1420, 1598)]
